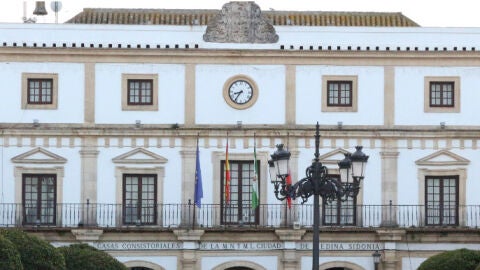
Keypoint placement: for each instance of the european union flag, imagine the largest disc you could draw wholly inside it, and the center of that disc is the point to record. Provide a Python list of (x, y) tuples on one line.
[(198, 181)]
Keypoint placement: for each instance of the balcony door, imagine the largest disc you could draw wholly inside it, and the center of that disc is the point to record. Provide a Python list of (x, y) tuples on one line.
[(239, 209), (39, 199)]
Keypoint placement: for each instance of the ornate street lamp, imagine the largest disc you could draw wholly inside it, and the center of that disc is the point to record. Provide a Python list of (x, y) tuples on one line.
[(376, 259), (317, 183)]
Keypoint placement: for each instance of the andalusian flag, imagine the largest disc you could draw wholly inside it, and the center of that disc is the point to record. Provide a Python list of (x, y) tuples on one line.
[(255, 176), (227, 176)]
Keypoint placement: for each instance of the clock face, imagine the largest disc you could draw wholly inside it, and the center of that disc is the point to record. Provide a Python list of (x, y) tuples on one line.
[(240, 92)]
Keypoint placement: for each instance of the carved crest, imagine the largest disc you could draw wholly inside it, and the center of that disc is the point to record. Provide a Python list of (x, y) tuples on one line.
[(240, 22)]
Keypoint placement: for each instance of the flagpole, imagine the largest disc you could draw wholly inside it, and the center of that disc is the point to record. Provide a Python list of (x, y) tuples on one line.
[(227, 186), (198, 193), (195, 192)]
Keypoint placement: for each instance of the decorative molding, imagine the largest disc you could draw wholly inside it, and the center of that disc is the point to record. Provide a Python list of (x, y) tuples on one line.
[(240, 22), (87, 234), (443, 158), (140, 156), (39, 156), (333, 157), (189, 235)]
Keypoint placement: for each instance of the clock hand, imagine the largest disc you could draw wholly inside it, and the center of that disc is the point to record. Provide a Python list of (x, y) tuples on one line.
[(238, 94)]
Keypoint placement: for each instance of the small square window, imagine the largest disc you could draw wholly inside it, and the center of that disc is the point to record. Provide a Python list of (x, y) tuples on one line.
[(339, 94), (39, 91), (442, 94), (139, 92)]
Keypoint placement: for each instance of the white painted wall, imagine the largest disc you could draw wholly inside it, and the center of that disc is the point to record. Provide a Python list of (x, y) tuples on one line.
[(309, 95), (211, 107), (108, 94), (70, 93), (409, 96), (296, 36)]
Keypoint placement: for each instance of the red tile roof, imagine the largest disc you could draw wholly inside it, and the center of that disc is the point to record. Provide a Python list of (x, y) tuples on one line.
[(203, 16)]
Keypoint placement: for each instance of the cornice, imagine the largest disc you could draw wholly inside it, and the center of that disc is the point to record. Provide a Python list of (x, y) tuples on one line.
[(213, 131), (238, 56)]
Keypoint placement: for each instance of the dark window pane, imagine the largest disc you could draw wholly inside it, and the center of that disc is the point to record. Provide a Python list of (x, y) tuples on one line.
[(39, 91), (339, 93), (441, 200), (442, 94), (339, 212), (140, 92), (239, 209), (39, 198), (139, 199)]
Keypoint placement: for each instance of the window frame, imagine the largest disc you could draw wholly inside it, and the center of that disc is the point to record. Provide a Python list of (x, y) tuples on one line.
[(338, 207), (140, 96), (432, 171), (239, 204), (126, 105), (40, 194), (154, 218), (121, 170), (353, 106), (429, 107), (339, 92), (26, 105), (441, 200)]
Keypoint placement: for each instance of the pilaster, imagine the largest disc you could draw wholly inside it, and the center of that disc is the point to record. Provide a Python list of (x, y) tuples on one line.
[(290, 237), (290, 94), (390, 237), (190, 239), (89, 160), (389, 182), (188, 155)]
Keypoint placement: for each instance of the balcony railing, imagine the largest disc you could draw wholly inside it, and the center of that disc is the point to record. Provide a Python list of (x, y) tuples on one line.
[(210, 216)]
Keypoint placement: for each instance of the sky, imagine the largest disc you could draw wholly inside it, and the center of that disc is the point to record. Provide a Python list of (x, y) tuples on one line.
[(427, 13)]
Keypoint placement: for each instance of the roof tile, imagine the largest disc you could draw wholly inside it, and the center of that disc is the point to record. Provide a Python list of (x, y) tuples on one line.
[(203, 16)]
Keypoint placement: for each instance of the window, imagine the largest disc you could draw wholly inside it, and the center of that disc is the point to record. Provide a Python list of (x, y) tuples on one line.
[(339, 94), (339, 212), (140, 92), (239, 210), (441, 200), (442, 94), (39, 91), (139, 199), (39, 198)]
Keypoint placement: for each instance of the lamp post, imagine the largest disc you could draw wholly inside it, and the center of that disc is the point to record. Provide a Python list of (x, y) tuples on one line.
[(317, 183), (376, 259)]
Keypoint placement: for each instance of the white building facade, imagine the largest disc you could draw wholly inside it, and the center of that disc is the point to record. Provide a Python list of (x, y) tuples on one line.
[(99, 127)]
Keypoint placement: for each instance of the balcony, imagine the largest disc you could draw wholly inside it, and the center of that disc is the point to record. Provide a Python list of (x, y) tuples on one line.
[(213, 216)]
